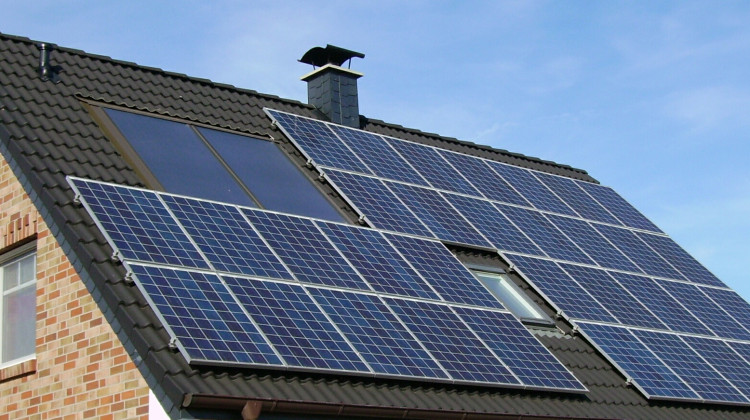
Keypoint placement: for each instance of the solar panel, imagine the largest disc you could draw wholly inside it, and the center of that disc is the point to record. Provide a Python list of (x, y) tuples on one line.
[(593, 243), (680, 259), (307, 253), (379, 155), (576, 198), (531, 188), (503, 234), (649, 261), (295, 325), (138, 225), (663, 305), (311, 327), (226, 239), (706, 310), (225, 319), (617, 205), (452, 344), (722, 358), (436, 170), (435, 212), (649, 373), (612, 296), (484, 179), (730, 302), (531, 362), (545, 234), (379, 337), (377, 261), (743, 349), (560, 288), (698, 374), (317, 142), (204, 318), (440, 268), (377, 203)]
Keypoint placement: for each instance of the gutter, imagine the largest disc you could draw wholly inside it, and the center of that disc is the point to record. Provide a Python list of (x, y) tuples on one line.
[(251, 409)]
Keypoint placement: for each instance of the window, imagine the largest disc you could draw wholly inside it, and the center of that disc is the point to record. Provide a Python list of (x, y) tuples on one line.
[(18, 306), (511, 296), (218, 165)]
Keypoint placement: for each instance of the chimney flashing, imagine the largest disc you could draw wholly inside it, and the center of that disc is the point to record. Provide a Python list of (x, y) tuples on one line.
[(332, 67)]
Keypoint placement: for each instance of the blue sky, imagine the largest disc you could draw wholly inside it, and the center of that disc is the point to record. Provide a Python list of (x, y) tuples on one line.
[(651, 98)]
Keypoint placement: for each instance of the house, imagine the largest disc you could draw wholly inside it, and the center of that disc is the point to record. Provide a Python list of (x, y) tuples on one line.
[(115, 179)]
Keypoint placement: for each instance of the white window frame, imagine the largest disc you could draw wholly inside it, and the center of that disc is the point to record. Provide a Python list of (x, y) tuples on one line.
[(11, 257), (541, 318)]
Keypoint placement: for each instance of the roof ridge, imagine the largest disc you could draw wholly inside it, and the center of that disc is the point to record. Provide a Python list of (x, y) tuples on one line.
[(133, 64)]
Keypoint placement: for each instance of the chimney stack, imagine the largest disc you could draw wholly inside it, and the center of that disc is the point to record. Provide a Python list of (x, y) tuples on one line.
[(331, 88)]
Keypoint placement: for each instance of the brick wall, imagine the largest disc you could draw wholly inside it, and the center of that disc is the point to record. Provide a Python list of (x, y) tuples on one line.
[(81, 369)]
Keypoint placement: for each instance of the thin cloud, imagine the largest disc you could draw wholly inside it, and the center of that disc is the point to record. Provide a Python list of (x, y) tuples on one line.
[(708, 107)]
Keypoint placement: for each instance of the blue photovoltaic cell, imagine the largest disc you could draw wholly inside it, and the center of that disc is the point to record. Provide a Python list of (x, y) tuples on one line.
[(637, 361), (531, 362), (139, 225), (719, 355), (435, 212), (576, 198), (294, 325), (378, 155), (225, 238), (317, 140), (689, 366), (450, 341), (207, 322), (377, 261), (593, 243), (378, 204), (531, 188), (545, 234), (562, 290), (731, 302), (680, 259), (494, 225), (612, 296), (443, 271), (377, 334), (706, 310), (484, 179), (617, 205), (436, 170), (663, 305), (304, 249), (649, 261), (743, 349)]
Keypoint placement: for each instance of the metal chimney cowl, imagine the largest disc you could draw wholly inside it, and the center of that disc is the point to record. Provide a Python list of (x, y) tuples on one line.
[(331, 88)]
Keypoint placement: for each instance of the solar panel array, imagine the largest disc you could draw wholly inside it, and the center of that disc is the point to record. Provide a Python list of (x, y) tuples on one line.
[(239, 286), (667, 322)]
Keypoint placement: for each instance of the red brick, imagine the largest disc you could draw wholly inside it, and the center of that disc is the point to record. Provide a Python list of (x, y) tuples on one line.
[(73, 339)]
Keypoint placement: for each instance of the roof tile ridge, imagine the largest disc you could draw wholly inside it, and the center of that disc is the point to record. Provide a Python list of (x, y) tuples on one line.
[(125, 63)]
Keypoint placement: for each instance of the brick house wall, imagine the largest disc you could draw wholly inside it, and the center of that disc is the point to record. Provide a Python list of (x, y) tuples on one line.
[(81, 369)]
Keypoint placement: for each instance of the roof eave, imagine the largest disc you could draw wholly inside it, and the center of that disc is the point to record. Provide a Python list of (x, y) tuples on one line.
[(251, 408)]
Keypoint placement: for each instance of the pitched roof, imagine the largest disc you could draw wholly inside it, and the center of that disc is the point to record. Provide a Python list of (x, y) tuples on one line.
[(47, 133)]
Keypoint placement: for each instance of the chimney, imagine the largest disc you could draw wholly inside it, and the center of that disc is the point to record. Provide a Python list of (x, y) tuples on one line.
[(331, 88)]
